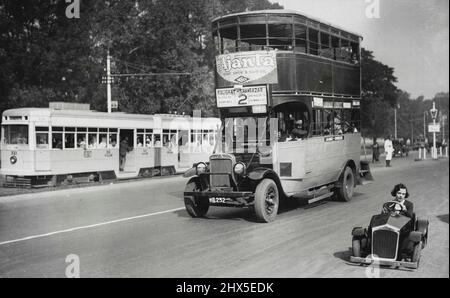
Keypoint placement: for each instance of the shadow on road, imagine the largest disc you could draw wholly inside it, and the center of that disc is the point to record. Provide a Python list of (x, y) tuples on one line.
[(443, 217), (343, 255)]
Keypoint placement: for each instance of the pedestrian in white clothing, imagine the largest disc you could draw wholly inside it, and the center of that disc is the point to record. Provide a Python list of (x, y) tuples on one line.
[(389, 149)]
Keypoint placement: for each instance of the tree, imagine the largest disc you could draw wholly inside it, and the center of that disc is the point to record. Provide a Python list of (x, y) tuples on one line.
[(379, 94)]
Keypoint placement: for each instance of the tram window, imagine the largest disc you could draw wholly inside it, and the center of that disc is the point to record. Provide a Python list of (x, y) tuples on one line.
[(69, 140), (148, 140), (157, 140), (41, 128), (103, 130), (112, 130), (92, 141), (313, 41), (112, 140), (69, 128), (347, 125), (140, 139), (42, 140), (140, 130), (57, 141), (102, 140), (92, 129), (81, 129), (81, 140), (16, 134), (57, 128)]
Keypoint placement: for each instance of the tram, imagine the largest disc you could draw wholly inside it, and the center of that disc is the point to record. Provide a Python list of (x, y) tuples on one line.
[(288, 89), (68, 143)]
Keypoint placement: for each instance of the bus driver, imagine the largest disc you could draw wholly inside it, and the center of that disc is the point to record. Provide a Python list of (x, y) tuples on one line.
[(298, 132)]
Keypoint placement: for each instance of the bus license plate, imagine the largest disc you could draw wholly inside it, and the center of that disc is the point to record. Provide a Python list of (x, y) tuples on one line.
[(217, 200)]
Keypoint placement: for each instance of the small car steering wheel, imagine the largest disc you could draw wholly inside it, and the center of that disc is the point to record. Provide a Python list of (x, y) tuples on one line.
[(392, 207)]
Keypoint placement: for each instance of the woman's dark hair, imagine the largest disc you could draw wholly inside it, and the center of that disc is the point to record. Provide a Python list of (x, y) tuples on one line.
[(397, 188)]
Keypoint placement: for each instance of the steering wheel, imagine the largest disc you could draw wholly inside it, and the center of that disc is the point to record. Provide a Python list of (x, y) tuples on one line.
[(393, 207)]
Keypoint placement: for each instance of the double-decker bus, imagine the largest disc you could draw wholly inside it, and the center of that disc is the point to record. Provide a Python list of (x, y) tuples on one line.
[(288, 88), (69, 143)]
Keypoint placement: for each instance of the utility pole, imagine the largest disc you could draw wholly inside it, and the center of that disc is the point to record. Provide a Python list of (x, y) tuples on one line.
[(108, 81), (433, 112), (395, 122)]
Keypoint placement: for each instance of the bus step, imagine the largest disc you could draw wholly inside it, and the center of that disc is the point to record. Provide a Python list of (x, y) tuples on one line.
[(365, 176)]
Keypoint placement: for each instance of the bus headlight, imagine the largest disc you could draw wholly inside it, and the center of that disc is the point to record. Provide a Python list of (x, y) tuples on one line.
[(200, 168), (239, 168), (13, 159)]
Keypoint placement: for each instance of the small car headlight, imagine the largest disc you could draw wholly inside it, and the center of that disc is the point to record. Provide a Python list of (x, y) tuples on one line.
[(13, 159), (239, 168), (200, 168)]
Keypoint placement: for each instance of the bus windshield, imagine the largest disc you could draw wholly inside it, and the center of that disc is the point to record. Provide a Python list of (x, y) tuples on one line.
[(15, 134)]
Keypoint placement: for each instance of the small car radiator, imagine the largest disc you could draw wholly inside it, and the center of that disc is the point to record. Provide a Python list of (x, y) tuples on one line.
[(384, 243)]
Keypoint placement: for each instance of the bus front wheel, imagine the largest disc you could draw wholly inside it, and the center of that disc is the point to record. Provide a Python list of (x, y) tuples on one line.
[(195, 208), (347, 185), (266, 200)]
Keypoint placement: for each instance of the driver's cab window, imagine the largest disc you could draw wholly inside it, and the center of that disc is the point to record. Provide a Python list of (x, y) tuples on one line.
[(293, 122)]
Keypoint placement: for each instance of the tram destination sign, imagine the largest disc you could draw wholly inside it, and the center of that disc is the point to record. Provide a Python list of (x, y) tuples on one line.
[(245, 96), (255, 67)]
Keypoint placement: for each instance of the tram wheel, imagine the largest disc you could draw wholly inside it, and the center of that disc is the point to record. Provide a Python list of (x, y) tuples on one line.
[(347, 185), (266, 200)]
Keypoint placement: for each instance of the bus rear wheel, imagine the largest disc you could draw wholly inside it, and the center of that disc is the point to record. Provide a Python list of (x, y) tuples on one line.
[(266, 200), (347, 185), (195, 207)]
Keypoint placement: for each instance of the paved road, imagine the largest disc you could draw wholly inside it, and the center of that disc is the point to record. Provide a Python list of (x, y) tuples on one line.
[(140, 229)]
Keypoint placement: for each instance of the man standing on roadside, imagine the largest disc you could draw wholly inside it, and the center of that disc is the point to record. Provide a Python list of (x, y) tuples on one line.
[(389, 149)]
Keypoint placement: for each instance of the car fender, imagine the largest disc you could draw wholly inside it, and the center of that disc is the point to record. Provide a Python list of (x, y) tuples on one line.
[(259, 174)]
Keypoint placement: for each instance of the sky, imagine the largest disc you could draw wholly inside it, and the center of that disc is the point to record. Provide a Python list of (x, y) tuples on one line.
[(412, 36)]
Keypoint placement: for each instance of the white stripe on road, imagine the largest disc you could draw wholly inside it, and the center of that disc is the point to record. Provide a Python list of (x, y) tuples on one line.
[(90, 226)]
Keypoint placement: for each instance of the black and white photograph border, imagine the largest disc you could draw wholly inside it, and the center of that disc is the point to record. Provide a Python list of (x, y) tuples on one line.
[(239, 140)]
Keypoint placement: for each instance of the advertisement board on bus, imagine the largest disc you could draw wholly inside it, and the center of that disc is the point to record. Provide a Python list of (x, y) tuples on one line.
[(245, 96), (256, 67)]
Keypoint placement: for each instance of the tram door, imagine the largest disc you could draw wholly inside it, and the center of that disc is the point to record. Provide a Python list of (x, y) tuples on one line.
[(130, 159)]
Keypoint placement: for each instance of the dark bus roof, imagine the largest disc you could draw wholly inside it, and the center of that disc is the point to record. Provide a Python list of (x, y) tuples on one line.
[(285, 12)]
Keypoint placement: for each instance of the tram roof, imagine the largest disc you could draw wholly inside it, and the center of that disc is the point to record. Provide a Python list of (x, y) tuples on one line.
[(286, 11), (48, 112)]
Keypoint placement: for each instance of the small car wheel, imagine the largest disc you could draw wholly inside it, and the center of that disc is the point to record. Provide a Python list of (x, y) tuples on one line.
[(345, 191), (416, 252), (356, 247), (199, 208), (266, 200)]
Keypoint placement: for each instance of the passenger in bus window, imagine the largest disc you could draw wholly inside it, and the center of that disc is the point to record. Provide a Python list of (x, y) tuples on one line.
[(102, 143), (148, 142), (82, 142), (337, 124), (42, 142), (92, 142)]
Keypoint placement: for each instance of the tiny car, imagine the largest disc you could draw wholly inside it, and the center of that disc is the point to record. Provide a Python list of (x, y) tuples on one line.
[(392, 239), (400, 148)]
